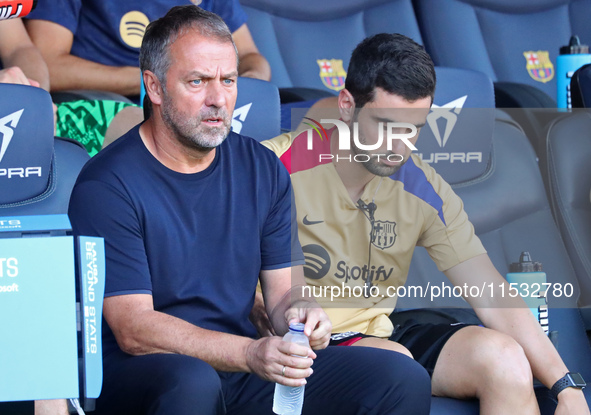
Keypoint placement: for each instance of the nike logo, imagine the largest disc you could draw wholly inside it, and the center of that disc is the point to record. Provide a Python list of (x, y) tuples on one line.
[(310, 222)]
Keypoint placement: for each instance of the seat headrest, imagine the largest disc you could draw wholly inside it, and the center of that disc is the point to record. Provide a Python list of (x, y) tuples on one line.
[(26, 142), (313, 10), (308, 43), (517, 6), (257, 113), (580, 87), (457, 138)]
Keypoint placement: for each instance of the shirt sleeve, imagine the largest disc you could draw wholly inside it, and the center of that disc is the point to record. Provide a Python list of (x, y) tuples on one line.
[(63, 12), (99, 209), (280, 246), (449, 238), (231, 13)]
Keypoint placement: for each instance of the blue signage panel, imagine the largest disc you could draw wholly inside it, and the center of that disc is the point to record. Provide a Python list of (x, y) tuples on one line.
[(38, 349), (34, 223), (91, 252)]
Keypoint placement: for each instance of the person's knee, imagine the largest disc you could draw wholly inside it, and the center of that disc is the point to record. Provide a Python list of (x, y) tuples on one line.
[(188, 374), (413, 378), (410, 384), (502, 361), (159, 384), (185, 384), (367, 379)]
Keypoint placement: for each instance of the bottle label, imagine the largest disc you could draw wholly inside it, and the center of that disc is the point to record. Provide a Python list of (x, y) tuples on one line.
[(11, 9)]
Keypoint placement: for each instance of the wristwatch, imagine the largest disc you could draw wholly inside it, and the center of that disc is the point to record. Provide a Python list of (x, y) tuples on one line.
[(570, 380)]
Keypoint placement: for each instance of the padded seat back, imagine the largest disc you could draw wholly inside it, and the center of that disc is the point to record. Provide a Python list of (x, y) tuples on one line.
[(309, 43), (257, 113), (509, 40), (462, 106), (569, 175), (37, 172), (580, 87)]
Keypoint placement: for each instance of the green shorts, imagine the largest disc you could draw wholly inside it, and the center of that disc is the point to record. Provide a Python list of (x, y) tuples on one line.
[(87, 121)]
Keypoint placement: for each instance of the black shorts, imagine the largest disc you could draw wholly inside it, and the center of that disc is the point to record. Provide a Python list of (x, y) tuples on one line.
[(423, 340)]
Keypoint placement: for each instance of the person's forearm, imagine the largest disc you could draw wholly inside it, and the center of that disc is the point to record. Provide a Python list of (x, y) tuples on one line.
[(31, 62), (156, 332), (254, 65), (71, 72), (510, 315), (293, 299), (277, 313), (285, 298)]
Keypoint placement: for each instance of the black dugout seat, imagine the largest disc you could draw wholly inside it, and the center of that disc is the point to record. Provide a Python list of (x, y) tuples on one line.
[(569, 176), (37, 171), (494, 169), (580, 87), (37, 174)]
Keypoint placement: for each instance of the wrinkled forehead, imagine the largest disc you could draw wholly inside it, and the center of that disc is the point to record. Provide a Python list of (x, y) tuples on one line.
[(193, 49)]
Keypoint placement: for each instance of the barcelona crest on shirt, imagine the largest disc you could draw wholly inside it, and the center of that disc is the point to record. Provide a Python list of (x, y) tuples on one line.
[(384, 235), (332, 73), (539, 66)]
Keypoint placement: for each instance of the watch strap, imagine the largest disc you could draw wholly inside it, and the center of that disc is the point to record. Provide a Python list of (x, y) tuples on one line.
[(565, 382)]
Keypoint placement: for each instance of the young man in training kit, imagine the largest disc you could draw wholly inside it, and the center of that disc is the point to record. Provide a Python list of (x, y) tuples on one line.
[(370, 212)]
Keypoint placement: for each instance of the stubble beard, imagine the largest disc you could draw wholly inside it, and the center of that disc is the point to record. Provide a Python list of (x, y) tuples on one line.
[(373, 165), (190, 132)]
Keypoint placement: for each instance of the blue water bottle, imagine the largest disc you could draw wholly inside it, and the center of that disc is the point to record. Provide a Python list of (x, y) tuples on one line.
[(571, 58), (527, 277)]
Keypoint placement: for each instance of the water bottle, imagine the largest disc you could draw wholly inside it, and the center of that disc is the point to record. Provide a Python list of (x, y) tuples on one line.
[(527, 277), (11, 9), (571, 58), (288, 400)]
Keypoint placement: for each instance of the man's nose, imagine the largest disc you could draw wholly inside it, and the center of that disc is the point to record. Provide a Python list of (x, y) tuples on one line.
[(400, 139), (216, 96)]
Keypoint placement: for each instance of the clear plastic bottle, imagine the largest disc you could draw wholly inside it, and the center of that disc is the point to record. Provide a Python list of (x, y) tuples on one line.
[(288, 400)]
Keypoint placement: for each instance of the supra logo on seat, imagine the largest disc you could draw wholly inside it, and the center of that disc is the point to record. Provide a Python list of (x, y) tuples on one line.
[(8, 132), (239, 116), (449, 112), (7, 126), (539, 66), (332, 73)]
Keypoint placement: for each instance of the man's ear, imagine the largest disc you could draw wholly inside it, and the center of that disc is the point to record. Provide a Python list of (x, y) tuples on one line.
[(153, 87), (346, 105)]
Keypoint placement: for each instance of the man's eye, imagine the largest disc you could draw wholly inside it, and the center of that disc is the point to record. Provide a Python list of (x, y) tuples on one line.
[(228, 81), (196, 81)]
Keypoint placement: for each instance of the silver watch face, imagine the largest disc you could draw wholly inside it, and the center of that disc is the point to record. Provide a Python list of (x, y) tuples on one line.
[(577, 380)]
